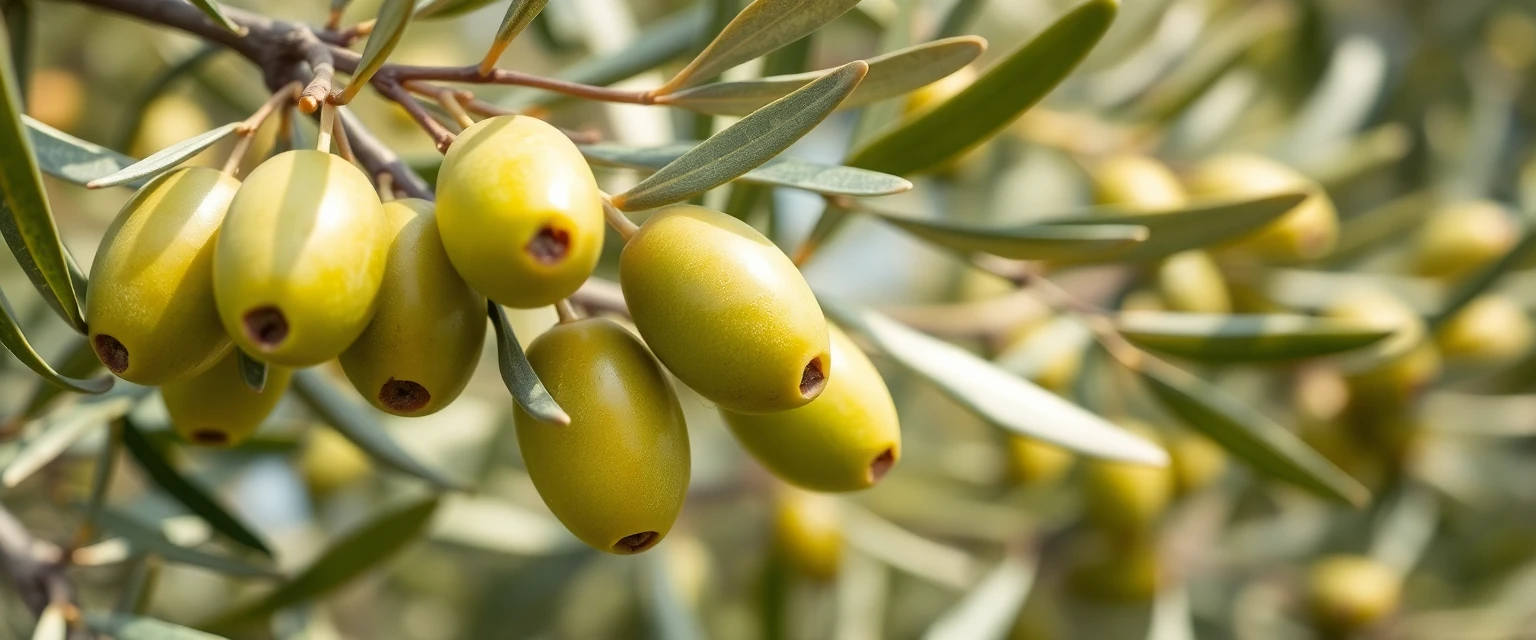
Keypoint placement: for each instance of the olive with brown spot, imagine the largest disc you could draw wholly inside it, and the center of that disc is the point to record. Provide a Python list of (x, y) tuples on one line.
[(216, 408)]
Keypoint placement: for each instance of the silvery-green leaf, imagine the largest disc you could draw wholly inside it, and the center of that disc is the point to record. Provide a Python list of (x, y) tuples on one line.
[(447, 8), (999, 397), (518, 374), (989, 610), (123, 626), (890, 75), (195, 498), (765, 25), (778, 172), (15, 342), (746, 145), (519, 14), (147, 538), (71, 159), (394, 17), (57, 432), (164, 159), (78, 361), (1022, 242), (1244, 338), (52, 623), (360, 426), (1200, 224)]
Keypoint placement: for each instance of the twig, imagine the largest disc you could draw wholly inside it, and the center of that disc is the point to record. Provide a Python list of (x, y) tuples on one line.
[(442, 138), (37, 570), (450, 101), (247, 129), (616, 219), (321, 64)]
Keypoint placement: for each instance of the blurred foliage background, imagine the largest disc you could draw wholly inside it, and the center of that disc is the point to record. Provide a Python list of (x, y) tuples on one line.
[(1407, 114)]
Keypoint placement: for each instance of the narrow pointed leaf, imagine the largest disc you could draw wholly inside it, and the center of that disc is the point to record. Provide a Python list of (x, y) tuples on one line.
[(1199, 225), (1483, 279), (779, 172), (1026, 242), (355, 422), (252, 371), (447, 8), (765, 25), (394, 17), (958, 18), (518, 374), (214, 13), (989, 610), (164, 159), (129, 627), (345, 558), (1004, 91), (746, 145), (16, 17), (1000, 398), (519, 14), (78, 361), (57, 432), (16, 343), (147, 538), (1245, 338), (71, 159), (52, 624), (25, 203), (1248, 435), (890, 75), (184, 490)]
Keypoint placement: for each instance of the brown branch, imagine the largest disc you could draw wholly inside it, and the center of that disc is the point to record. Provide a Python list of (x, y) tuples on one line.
[(378, 158), (318, 56), (37, 570), (441, 136)]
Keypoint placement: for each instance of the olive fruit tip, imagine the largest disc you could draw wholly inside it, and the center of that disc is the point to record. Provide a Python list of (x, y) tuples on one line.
[(404, 395), (812, 379), (549, 245), (636, 543), (111, 352), (881, 464), (266, 326)]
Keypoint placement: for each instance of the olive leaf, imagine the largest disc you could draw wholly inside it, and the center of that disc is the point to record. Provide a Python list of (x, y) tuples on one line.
[(765, 25), (519, 375), (778, 172), (253, 372), (123, 626), (1197, 225), (147, 538), (447, 8), (185, 491), (519, 14), (16, 342), (26, 204), (164, 159), (1245, 433), (1484, 278), (53, 622), (1000, 398), (71, 159), (57, 432), (357, 424), (1026, 242), (988, 611), (103, 473), (1244, 338), (394, 17), (1215, 55), (890, 75), (78, 361), (662, 41), (1006, 90), (214, 13), (363, 548), (743, 146)]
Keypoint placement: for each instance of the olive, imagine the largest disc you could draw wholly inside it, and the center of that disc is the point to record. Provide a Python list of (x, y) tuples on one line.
[(1140, 183), (216, 408), (150, 306), (1035, 463), (1127, 497), (1349, 593), (424, 341), (1460, 238), (616, 475), (808, 532), (725, 310), (329, 462), (1492, 328), (1196, 460), (1191, 282), (1306, 232), (520, 213), (300, 259)]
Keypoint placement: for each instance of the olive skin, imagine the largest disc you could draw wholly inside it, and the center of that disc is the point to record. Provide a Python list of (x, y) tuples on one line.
[(300, 259), (1460, 238), (1034, 463), (215, 408), (846, 439), (1140, 183), (1191, 282), (1348, 593), (725, 310), (150, 305), (1306, 232), (424, 341), (616, 475), (1492, 328), (808, 532), (1197, 462), (1399, 377), (520, 213), (1125, 497)]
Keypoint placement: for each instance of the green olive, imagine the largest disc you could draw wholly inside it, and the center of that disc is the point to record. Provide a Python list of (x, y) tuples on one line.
[(1411, 361), (300, 259), (150, 305), (1306, 232), (330, 462), (1460, 238), (616, 475), (844, 440), (808, 532), (215, 407), (725, 310), (1349, 593), (520, 213), (1035, 463), (1196, 460), (1139, 182), (1492, 328), (425, 339), (1192, 282), (1127, 497)]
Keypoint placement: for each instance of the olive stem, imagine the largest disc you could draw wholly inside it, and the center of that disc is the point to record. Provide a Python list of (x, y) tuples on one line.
[(566, 311), (327, 125), (343, 143), (616, 219), (450, 101), (386, 184), (248, 128), (394, 90)]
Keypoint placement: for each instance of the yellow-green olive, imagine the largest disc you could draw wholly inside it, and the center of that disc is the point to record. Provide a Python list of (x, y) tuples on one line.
[(1035, 463), (1306, 232), (725, 310), (300, 259), (167, 120), (150, 305), (808, 532), (616, 475), (844, 440), (1140, 183), (216, 408), (330, 462), (1407, 360), (1492, 328), (424, 341), (1462, 237), (1191, 282), (519, 210), (1196, 460), (1127, 497), (1348, 593)]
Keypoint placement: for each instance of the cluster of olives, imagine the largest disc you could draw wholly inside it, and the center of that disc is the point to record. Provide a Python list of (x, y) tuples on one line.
[(302, 263)]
